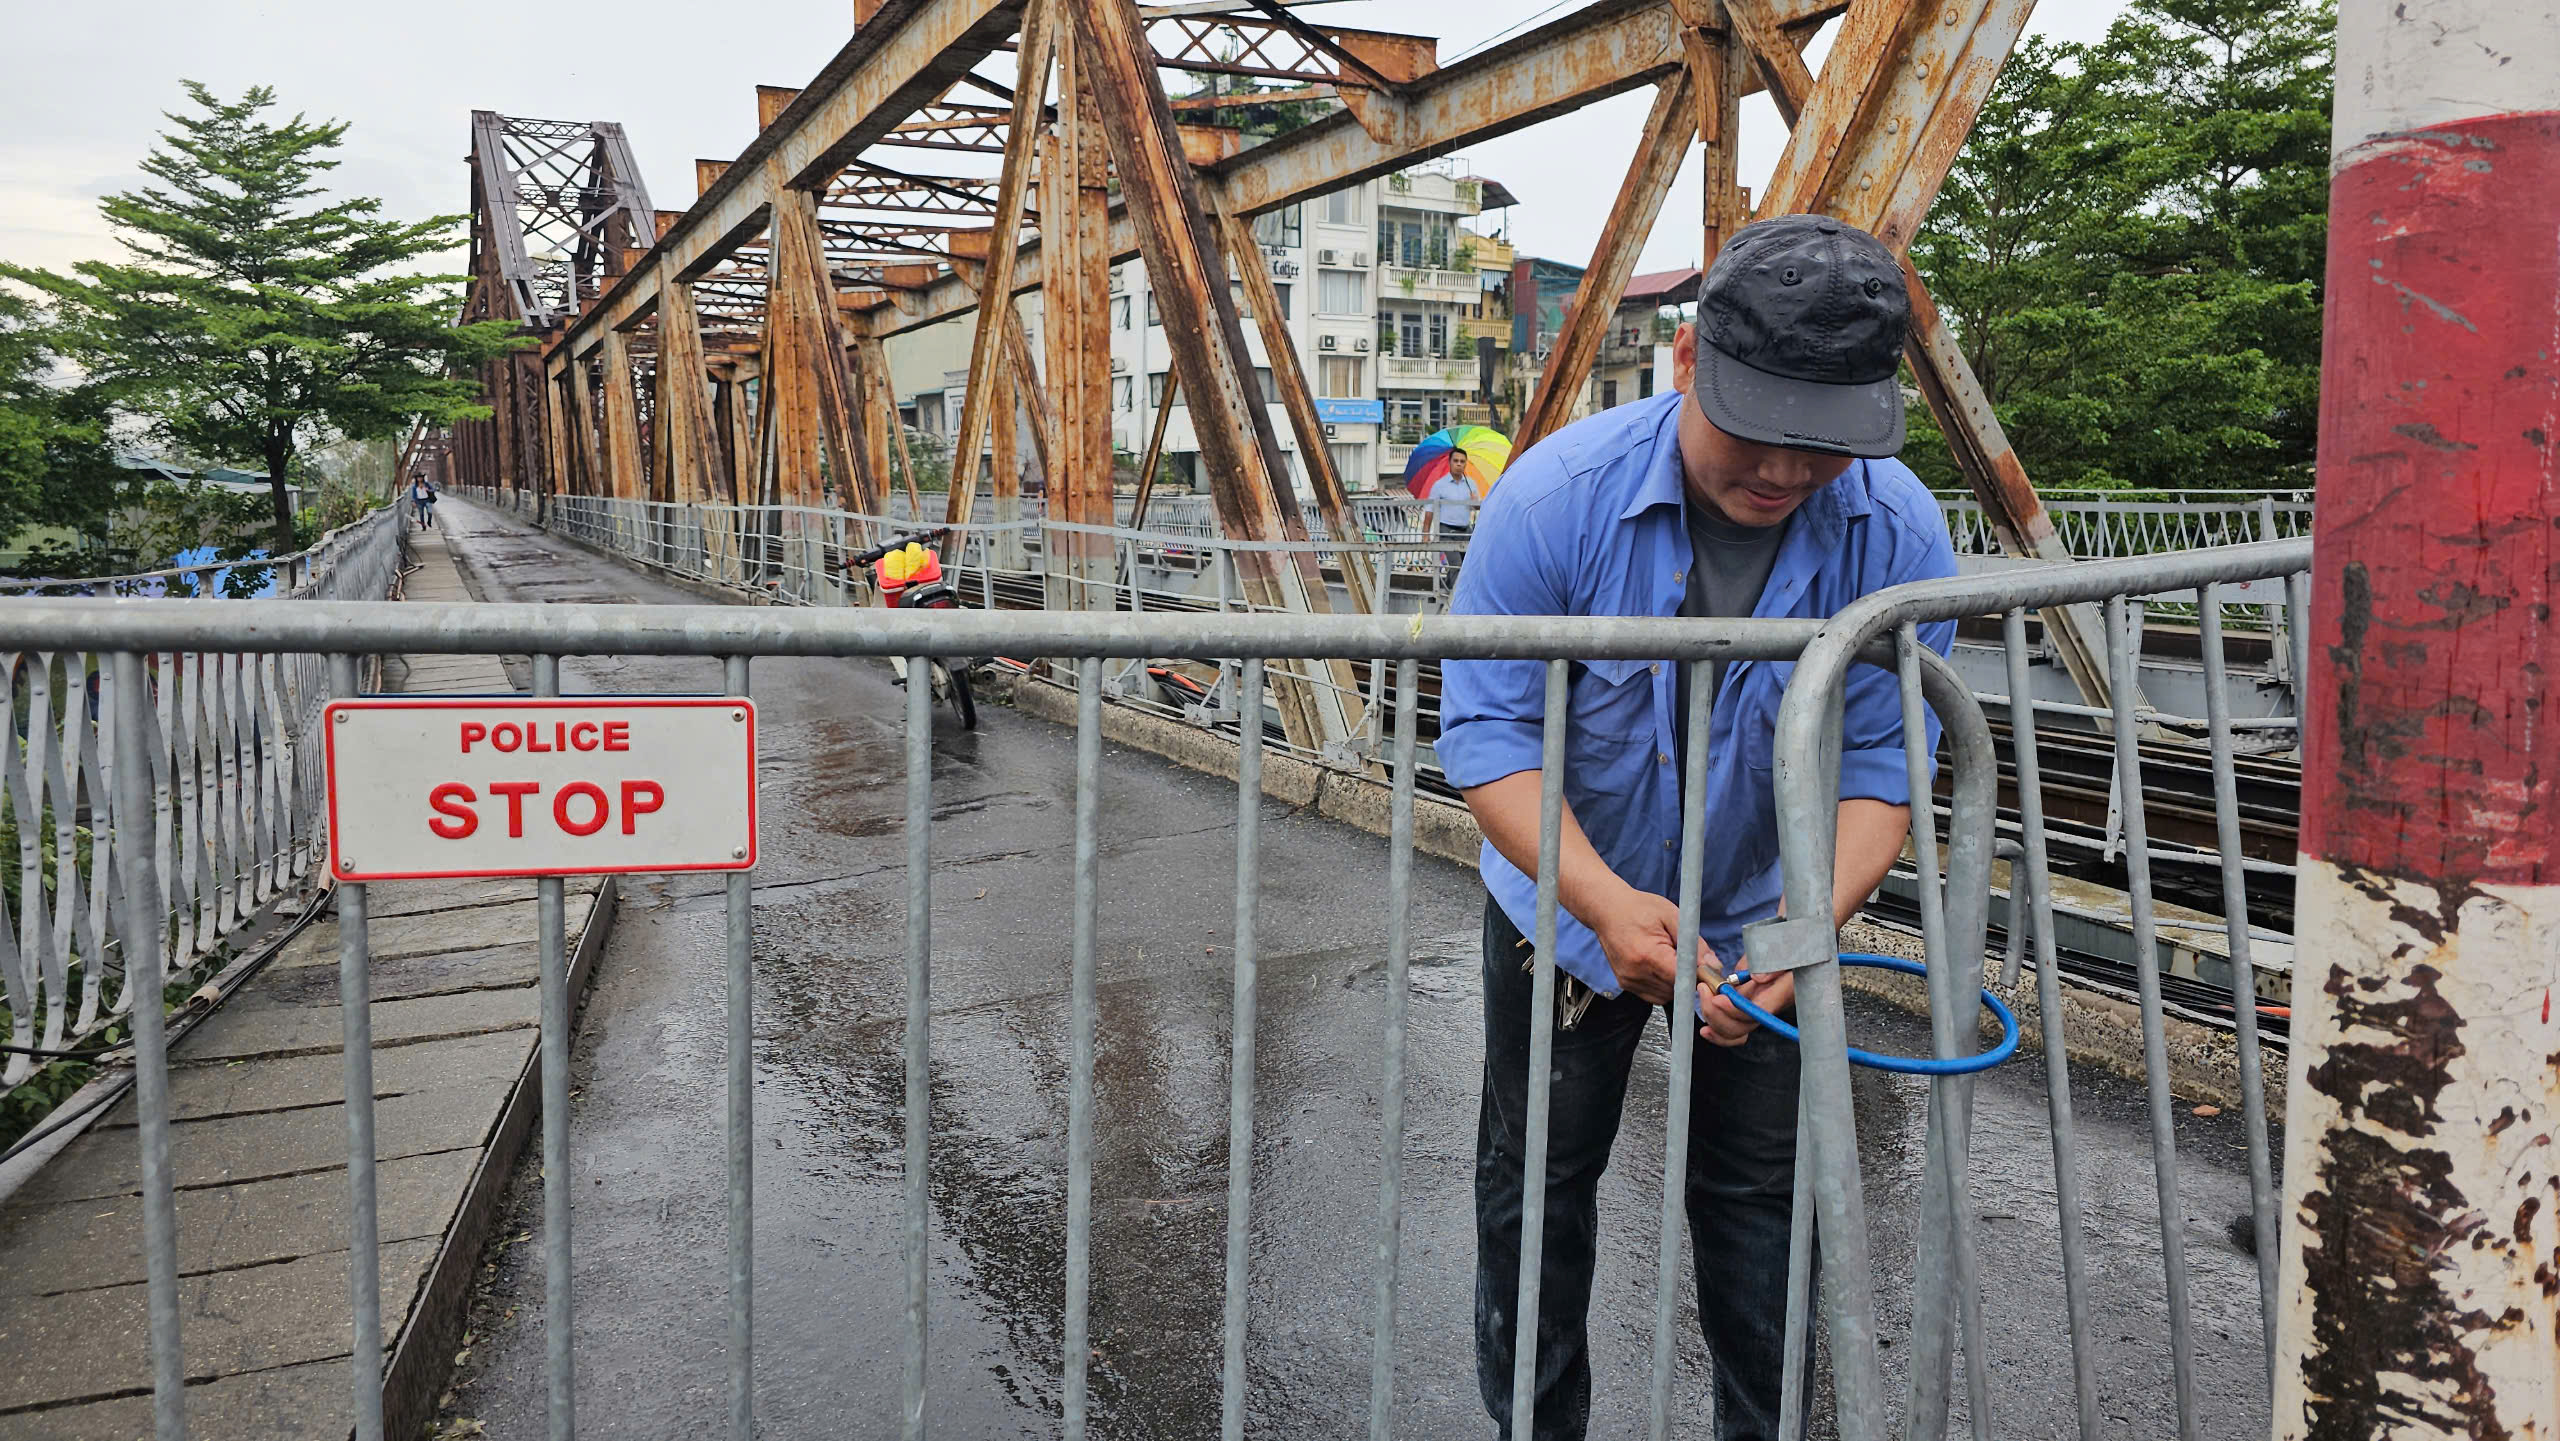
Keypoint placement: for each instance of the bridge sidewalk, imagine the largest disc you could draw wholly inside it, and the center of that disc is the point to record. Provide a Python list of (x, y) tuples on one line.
[(258, 1147)]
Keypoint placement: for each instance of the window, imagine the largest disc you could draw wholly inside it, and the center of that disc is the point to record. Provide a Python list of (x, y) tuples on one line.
[(1644, 382), (1438, 410), (1338, 376), (1119, 312), (1152, 317), (1439, 335), (1409, 244), (1278, 227), (1155, 391), (1342, 292), (1283, 291), (1409, 332), (1262, 377), (1123, 395), (1608, 394), (1342, 207), (1408, 422), (1350, 465)]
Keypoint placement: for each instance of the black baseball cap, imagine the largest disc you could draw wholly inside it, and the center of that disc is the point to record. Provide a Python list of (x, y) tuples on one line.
[(1800, 330)]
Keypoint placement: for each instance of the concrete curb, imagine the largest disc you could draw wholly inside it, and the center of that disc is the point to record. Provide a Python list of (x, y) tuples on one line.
[(422, 1359)]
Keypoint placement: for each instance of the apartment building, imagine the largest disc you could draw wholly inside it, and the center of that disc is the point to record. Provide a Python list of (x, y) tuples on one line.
[(1379, 281)]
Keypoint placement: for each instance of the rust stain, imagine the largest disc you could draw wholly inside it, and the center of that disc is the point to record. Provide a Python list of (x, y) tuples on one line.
[(2378, 1218)]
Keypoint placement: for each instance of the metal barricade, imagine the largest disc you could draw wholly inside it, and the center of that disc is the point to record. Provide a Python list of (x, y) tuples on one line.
[(1828, 1196), (1955, 906)]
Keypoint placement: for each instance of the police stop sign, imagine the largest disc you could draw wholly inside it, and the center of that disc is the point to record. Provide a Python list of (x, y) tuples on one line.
[(427, 788)]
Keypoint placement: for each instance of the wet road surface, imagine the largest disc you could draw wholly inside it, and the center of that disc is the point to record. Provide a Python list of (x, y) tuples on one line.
[(647, 1168)]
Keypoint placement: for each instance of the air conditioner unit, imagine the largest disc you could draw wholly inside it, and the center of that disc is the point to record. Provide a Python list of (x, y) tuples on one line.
[(1328, 342), (1359, 260), (1118, 365), (1329, 432), (1328, 257), (1361, 345)]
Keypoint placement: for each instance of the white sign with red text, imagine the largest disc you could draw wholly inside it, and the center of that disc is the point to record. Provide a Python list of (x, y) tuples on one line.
[(426, 788)]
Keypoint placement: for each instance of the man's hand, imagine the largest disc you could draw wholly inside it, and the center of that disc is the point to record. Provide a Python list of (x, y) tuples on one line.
[(1726, 1025), (1640, 934)]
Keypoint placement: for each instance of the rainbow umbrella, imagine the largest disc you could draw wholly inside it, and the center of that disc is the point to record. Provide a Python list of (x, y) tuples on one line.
[(1487, 451)]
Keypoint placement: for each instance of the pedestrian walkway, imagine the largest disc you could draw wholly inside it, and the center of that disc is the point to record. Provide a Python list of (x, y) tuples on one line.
[(258, 1153)]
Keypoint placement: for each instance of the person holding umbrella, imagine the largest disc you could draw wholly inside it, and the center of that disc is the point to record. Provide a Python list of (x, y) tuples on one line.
[(1454, 469), (1763, 484)]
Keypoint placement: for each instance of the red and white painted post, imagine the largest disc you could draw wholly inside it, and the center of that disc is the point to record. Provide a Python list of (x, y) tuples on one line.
[(2421, 1279)]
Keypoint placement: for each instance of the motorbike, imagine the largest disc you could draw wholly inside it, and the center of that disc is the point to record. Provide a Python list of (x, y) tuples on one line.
[(907, 573)]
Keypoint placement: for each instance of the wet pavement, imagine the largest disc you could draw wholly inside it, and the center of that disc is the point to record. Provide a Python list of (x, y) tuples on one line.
[(650, 1197)]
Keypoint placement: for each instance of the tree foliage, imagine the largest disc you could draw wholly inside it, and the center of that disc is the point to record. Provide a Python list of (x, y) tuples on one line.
[(2129, 250), (56, 468), (253, 316)]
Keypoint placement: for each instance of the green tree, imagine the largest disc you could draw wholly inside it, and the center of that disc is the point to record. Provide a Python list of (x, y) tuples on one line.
[(2129, 249), (56, 468), (254, 317)]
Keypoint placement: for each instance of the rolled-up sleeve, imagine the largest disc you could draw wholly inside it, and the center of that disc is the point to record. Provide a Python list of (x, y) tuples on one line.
[(1492, 712), (1871, 764)]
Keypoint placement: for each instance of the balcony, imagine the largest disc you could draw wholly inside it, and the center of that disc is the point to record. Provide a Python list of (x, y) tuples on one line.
[(1448, 287), (1487, 330), (1426, 372)]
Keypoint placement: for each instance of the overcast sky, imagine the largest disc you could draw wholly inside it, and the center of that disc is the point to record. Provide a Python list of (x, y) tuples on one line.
[(83, 85)]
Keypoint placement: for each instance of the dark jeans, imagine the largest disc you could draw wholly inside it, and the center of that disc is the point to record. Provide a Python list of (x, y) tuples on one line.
[(1742, 1154)]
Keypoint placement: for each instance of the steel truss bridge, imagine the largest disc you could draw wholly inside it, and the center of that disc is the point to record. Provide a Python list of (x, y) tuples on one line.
[(956, 150)]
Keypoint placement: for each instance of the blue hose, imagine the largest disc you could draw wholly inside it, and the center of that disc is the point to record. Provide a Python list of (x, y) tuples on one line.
[(1906, 1065)]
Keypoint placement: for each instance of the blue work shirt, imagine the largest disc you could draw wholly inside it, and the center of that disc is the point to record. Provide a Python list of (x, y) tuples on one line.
[(1589, 523)]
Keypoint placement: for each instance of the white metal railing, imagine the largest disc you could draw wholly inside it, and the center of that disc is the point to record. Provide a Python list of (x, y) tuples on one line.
[(234, 816)]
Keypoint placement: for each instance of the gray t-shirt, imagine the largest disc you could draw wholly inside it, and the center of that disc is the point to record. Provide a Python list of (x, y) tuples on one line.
[(1728, 568)]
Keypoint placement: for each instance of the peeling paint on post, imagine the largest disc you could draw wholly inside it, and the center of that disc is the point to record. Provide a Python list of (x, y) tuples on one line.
[(2422, 1237)]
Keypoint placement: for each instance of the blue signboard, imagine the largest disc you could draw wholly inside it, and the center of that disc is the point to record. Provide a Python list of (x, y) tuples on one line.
[(1350, 412)]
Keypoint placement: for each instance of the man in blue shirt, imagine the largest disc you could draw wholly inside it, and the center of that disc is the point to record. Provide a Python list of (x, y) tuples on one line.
[(1762, 485)]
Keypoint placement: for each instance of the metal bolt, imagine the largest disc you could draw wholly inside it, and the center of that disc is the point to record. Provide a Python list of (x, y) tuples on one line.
[(342, 717), (738, 853), (738, 716)]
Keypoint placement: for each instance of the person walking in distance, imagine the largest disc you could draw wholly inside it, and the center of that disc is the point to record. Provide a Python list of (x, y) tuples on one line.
[(1763, 484), (423, 496)]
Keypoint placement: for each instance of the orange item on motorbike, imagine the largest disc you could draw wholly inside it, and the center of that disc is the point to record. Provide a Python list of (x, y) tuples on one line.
[(911, 564)]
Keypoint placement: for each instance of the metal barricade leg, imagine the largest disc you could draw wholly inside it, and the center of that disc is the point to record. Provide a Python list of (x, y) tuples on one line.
[(560, 1362), (364, 1252), (1240, 1064), (2244, 990), (1382, 1359), (1684, 1043), (1953, 918), (742, 1091), (2037, 896), (2155, 1041), (919, 1209), (1080, 1047), (142, 958), (1542, 1049)]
